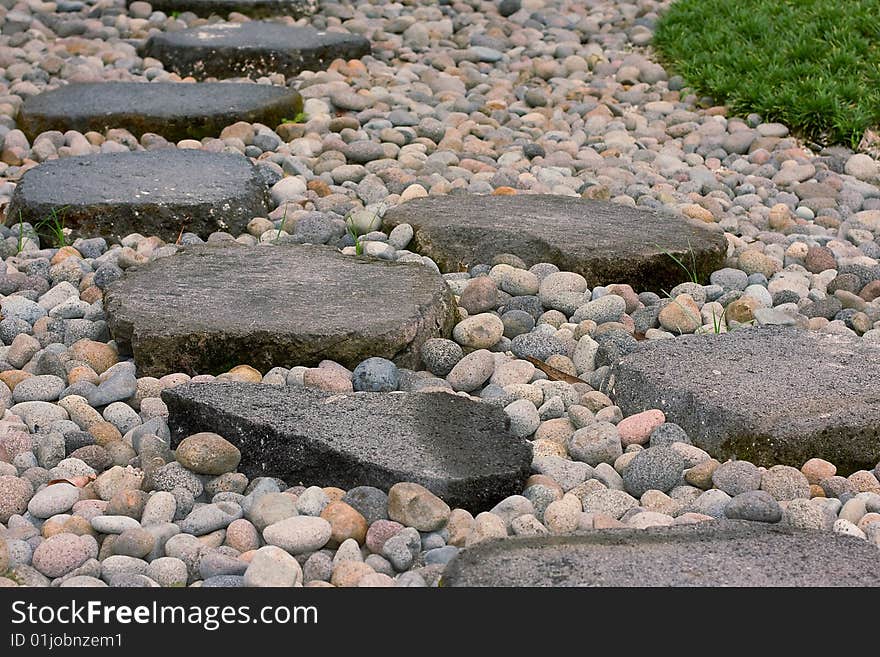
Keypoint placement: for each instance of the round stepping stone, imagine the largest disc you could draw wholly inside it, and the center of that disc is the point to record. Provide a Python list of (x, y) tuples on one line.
[(210, 308), (604, 242), (173, 110), (150, 192), (252, 8), (459, 449), (252, 49), (714, 553), (770, 395)]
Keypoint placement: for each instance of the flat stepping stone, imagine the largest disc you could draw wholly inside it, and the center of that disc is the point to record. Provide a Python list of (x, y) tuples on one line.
[(604, 242), (769, 395), (210, 308), (252, 49), (150, 192), (173, 110), (713, 553), (457, 448), (252, 8)]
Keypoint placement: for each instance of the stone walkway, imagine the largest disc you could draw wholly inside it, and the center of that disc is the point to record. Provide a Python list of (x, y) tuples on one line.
[(253, 49), (163, 193), (771, 395), (212, 307), (600, 241), (458, 449), (174, 111), (718, 554)]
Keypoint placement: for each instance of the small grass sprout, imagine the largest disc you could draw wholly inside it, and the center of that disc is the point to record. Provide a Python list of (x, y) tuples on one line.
[(692, 271), (54, 225), (300, 117)]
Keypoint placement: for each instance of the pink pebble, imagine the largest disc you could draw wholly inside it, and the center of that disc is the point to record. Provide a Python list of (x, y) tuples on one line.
[(379, 532), (636, 429)]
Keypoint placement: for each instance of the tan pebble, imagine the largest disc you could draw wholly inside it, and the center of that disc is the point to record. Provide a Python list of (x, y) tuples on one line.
[(335, 494), (245, 374), (13, 377), (701, 474), (546, 447), (815, 470), (868, 519), (345, 523), (544, 480), (459, 526), (82, 373), (604, 521), (98, 355), (864, 481), (698, 212), (349, 573), (104, 433)]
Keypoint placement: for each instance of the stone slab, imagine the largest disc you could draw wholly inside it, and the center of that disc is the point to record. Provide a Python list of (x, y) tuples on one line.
[(173, 110), (150, 192), (771, 395), (252, 49), (209, 308), (459, 449), (604, 242), (252, 8), (714, 553)]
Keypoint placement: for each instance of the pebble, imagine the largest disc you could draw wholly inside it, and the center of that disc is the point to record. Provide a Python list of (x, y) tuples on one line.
[(299, 534), (208, 454), (655, 468), (735, 477), (756, 505), (53, 500), (413, 505), (271, 566)]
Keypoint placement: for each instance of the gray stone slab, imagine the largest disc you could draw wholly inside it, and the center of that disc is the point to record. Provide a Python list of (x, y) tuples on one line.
[(150, 192), (210, 308), (715, 553), (458, 448), (604, 242), (252, 8), (252, 49), (174, 110), (770, 395)]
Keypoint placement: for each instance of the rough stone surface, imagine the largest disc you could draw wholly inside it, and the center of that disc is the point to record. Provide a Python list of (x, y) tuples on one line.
[(601, 241), (251, 49), (720, 553), (150, 192), (175, 111), (734, 397), (458, 449), (252, 8), (195, 311)]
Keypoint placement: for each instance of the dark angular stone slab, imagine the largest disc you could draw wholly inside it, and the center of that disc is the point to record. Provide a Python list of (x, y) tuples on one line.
[(174, 110), (458, 448), (714, 553), (604, 242), (210, 308), (150, 192), (252, 8), (770, 395), (252, 49)]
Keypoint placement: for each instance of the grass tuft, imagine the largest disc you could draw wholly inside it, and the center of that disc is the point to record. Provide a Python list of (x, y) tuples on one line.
[(811, 64)]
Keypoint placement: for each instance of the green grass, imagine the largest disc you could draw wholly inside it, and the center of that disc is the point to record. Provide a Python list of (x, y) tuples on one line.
[(299, 118), (811, 64), (53, 224)]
